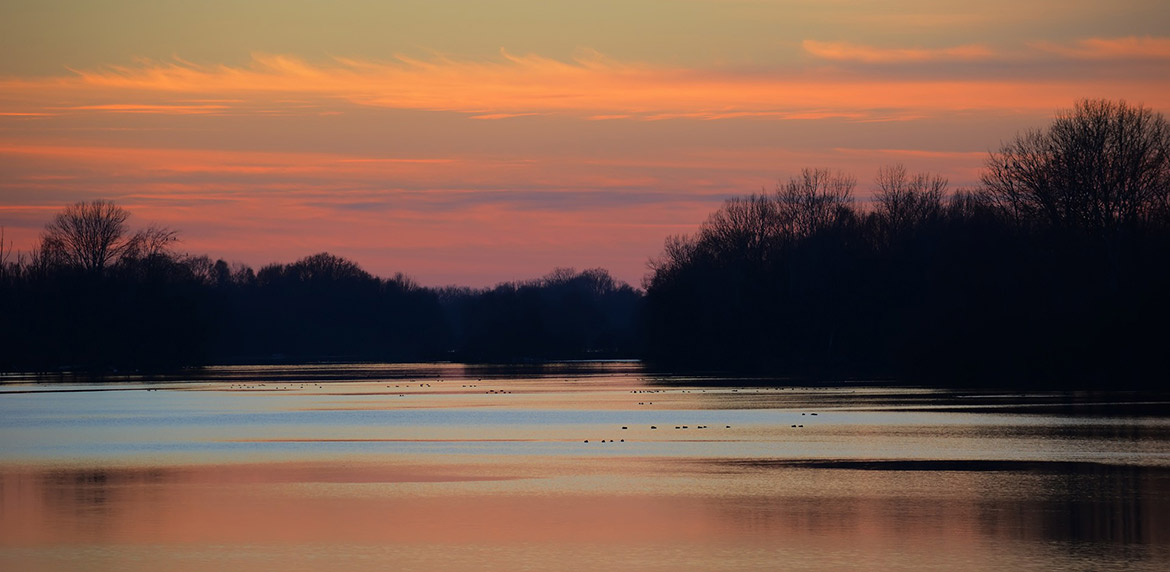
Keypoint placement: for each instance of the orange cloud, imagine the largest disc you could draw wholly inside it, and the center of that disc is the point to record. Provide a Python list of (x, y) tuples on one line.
[(141, 108), (845, 51), (453, 200), (591, 86), (1131, 47)]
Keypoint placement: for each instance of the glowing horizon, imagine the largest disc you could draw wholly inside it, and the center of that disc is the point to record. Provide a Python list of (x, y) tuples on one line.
[(492, 144)]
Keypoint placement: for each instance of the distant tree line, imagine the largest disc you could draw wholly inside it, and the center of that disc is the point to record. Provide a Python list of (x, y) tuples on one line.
[(1056, 270), (96, 296)]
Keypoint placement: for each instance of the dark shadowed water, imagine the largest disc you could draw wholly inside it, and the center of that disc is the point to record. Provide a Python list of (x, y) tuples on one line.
[(572, 467)]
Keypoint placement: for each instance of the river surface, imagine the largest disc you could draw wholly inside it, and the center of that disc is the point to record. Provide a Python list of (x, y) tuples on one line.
[(596, 466)]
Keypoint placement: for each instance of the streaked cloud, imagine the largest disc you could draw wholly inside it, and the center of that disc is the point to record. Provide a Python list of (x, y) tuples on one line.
[(510, 86), (402, 135), (845, 51), (1125, 48), (146, 108), (461, 218)]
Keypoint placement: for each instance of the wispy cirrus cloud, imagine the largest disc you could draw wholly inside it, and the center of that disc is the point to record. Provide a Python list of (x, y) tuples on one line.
[(493, 157), (846, 51), (1084, 49), (148, 108), (1124, 48), (590, 86)]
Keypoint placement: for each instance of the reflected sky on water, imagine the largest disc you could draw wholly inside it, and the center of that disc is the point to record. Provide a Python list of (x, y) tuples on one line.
[(571, 467)]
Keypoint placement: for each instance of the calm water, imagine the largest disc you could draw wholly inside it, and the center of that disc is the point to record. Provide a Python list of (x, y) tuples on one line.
[(572, 467)]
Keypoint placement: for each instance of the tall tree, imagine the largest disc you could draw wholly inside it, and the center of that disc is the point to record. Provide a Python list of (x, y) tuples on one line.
[(814, 200), (1099, 167), (906, 201), (93, 235)]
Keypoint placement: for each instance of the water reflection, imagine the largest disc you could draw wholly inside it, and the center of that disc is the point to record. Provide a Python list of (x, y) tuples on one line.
[(979, 513), (1033, 500), (93, 490), (329, 474)]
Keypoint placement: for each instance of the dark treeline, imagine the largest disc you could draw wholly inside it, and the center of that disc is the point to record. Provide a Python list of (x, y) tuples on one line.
[(96, 297), (1055, 271)]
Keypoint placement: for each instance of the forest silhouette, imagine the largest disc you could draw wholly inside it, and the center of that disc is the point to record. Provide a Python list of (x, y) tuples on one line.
[(1054, 271)]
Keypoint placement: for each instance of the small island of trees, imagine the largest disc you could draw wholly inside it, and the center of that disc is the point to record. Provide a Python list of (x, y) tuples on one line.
[(1054, 271)]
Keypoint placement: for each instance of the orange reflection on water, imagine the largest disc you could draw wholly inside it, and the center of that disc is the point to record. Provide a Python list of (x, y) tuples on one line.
[(627, 513), (285, 502)]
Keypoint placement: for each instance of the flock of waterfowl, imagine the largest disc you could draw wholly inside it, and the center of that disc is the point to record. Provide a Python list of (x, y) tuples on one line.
[(260, 386)]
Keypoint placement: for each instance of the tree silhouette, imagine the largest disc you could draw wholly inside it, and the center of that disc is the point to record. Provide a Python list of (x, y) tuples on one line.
[(564, 315), (6, 267), (1053, 272), (906, 202), (93, 235), (813, 201), (326, 267), (1099, 167)]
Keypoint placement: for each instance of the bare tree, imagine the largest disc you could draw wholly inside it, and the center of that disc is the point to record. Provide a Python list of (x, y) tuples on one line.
[(744, 226), (151, 243), (5, 254), (326, 267), (1100, 166), (758, 227), (966, 204), (813, 200), (87, 235), (906, 201), (93, 235), (677, 252)]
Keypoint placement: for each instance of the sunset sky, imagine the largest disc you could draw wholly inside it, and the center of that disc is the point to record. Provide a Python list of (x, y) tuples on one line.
[(472, 142)]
